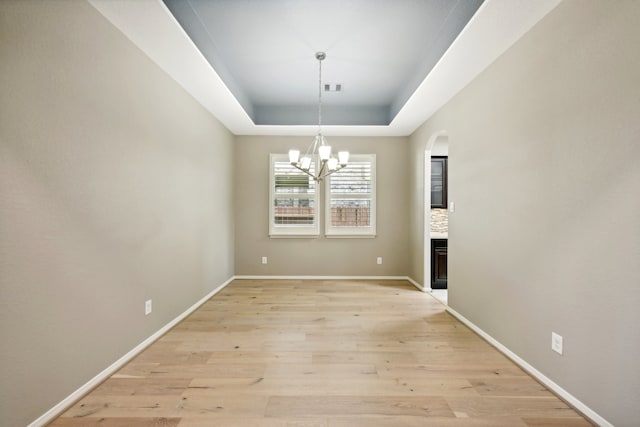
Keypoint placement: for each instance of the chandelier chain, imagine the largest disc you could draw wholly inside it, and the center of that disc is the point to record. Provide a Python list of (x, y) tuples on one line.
[(320, 95)]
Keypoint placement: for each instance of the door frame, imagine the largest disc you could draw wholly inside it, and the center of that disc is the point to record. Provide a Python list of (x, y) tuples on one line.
[(426, 280)]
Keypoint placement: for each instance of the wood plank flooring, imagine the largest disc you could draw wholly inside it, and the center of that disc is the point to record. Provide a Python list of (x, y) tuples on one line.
[(311, 353)]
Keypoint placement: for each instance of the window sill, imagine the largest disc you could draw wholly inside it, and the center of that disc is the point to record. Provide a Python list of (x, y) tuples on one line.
[(293, 236), (350, 236)]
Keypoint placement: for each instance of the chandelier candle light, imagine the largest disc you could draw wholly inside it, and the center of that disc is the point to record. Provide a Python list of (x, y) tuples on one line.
[(328, 163)]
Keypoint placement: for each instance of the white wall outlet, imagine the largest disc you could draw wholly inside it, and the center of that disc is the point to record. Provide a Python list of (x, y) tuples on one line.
[(556, 343), (264, 259), (452, 207), (379, 260), (147, 307)]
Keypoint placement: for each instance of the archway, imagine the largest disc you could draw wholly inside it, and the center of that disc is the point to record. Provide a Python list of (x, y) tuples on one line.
[(437, 145)]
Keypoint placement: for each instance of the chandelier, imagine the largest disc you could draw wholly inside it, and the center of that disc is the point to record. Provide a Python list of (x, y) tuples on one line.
[(319, 147)]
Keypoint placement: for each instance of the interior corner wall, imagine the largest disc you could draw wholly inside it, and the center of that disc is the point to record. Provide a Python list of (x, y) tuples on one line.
[(320, 256), (115, 187), (417, 204), (544, 169)]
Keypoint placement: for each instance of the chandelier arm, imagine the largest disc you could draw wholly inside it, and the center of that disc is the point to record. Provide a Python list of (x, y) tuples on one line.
[(295, 165), (331, 172), (323, 165), (320, 175), (314, 150)]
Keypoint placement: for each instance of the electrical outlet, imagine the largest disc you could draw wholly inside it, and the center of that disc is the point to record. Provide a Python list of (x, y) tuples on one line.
[(264, 259), (147, 307), (379, 260), (556, 343), (452, 207)]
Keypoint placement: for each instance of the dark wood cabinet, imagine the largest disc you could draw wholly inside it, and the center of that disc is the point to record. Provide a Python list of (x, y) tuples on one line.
[(439, 263), (438, 182)]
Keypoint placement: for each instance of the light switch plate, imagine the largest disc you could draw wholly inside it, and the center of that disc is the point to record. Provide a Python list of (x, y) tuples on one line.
[(147, 307), (556, 343)]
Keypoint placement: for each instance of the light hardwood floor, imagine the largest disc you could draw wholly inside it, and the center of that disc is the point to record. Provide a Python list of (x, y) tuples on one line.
[(311, 353)]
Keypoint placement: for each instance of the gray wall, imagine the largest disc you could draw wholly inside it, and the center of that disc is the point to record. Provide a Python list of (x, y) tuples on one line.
[(115, 187), (320, 256), (544, 156)]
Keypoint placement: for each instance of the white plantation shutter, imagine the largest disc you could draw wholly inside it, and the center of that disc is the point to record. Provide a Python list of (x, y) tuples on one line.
[(350, 209), (293, 200)]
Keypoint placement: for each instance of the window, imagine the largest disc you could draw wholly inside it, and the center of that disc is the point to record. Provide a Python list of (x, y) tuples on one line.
[(350, 206), (293, 200), (439, 182)]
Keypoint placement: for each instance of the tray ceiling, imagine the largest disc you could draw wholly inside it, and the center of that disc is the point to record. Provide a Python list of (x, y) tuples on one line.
[(378, 51), (252, 63)]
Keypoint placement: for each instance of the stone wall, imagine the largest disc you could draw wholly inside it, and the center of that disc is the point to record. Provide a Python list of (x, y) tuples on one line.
[(439, 221)]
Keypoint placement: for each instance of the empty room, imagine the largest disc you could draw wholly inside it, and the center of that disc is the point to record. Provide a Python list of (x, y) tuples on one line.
[(320, 213)]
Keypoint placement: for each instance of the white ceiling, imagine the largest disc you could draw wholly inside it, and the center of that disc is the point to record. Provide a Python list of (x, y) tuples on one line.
[(267, 73)]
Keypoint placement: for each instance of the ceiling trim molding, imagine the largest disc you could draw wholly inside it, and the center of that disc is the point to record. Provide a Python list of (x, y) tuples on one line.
[(496, 26)]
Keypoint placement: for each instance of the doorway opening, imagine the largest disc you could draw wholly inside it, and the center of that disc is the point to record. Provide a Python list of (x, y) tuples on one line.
[(436, 224)]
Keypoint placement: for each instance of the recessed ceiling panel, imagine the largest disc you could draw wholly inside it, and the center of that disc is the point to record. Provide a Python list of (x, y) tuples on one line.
[(379, 51)]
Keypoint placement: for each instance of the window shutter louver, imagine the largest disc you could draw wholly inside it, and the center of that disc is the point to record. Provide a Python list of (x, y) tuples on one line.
[(294, 199), (350, 209)]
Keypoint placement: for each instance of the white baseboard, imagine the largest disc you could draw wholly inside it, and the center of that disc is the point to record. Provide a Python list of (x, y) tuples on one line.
[(57, 410), (265, 277), (418, 285), (564, 394), (407, 278)]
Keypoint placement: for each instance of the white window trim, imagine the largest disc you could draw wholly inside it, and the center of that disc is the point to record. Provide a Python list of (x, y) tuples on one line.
[(290, 231), (352, 232)]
